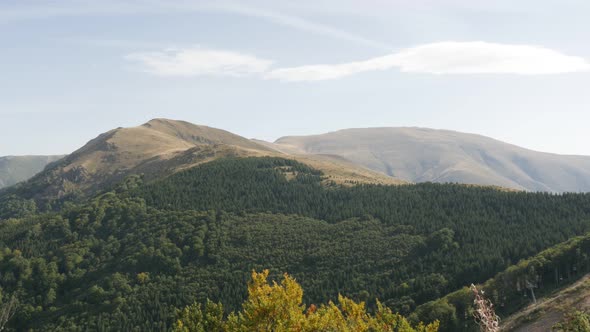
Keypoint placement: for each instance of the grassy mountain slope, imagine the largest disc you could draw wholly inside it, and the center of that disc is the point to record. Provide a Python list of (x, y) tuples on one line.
[(336, 168), (161, 147), (14, 169), (420, 155)]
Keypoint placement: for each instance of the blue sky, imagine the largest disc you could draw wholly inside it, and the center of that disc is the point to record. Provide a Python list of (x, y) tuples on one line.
[(518, 71)]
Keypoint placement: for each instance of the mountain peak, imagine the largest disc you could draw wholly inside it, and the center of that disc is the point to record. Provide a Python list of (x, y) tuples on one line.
[(199, 134), (166, 122), (162, 146), (158, 147)]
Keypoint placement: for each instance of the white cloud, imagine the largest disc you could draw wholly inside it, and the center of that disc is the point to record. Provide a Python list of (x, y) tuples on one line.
[(485, 58), (447, 58), (330, 72), (198, 62), (435, 58)]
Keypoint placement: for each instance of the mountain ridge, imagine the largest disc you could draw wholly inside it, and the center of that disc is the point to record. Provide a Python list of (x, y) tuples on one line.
[(161, 147), (387, 155), (417, 154)]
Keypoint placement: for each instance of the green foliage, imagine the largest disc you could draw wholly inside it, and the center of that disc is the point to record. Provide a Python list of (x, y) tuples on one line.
[(510, 289), (439, 310), (194, 319), (577, 321), (472, 231), (279, 307), (125, 260), (12, 206)]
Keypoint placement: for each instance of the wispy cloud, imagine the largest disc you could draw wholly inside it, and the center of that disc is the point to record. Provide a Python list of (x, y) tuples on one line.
[(28, 10), (447, 58), (435, 58), (199, 62), (300, 24)]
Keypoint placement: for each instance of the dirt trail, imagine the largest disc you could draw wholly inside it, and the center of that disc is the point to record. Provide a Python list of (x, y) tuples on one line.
[(540, 317)]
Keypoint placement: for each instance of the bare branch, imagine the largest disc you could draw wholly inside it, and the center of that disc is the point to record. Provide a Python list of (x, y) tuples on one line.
[(484, 313), (7, 310)]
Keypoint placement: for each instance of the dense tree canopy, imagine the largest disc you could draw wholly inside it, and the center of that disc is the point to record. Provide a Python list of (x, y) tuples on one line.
[(516, 286), (126, 259), (279, 307)]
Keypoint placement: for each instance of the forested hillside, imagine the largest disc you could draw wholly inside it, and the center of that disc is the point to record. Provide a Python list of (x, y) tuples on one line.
[(128, 258), (519, 285)]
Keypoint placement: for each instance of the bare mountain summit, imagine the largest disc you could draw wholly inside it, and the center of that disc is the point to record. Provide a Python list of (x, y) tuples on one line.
[(421, 155), (161, 147)]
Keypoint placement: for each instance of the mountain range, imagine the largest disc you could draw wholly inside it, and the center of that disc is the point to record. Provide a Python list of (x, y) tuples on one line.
[(429, 155), (140, 222), (161, 147), (364, 155), (14, 169)]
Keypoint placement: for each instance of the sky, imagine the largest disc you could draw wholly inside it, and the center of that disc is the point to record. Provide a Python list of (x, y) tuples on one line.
[(517, 71)]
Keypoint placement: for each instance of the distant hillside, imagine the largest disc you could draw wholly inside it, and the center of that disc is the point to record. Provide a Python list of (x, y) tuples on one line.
[(161, 147), (421, 155), (14, 169)]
